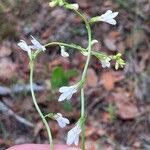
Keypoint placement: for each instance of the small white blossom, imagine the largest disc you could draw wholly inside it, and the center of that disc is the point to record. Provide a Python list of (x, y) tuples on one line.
[(52, 4), (62, 122), (105, 63), (73, 135), (108, 17), (74, 6), (36, 45), (63, 52), (24, 46), (94, 42), (67, 92)]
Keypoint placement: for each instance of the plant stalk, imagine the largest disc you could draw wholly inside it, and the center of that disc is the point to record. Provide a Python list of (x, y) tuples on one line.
[(37, 107), (84, 76)]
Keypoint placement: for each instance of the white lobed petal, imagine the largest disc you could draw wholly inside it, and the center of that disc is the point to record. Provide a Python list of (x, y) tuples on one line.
[(69, 96), (62, 122), (109, 17), (111, 21), (75, 6), (36, 44), (59, 114), (66, 89), (76, 140), (114, 14), (94, 42), (63, 52), (23, 45), (73, 135), (106, 15), (63, 96), (67, 92), (105, 64), (52, 4)]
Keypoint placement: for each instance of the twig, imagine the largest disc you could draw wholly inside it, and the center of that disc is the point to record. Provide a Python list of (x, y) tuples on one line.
[(18, 88), (4, 109)]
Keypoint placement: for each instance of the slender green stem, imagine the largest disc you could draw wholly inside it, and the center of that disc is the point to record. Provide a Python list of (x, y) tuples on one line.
[(83, 116), (84, 76), (66, 45), (37, 107)]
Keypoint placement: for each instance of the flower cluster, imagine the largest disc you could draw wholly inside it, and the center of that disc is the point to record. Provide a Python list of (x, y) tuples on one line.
[(68, 91), (35, 45), (63, 3)]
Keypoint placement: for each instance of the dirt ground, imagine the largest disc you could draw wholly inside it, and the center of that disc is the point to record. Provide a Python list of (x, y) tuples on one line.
[(117, 102)]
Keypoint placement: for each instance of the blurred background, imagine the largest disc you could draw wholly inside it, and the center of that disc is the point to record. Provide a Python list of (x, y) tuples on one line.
[(117, 102)]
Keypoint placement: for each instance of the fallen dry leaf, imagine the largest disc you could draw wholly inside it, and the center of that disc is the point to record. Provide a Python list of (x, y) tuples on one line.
[(110, 43), (92, 78), (7, 68), (125, 107), (90, 145), (5, 51), (89, 131), (38, 128), (108, 79)]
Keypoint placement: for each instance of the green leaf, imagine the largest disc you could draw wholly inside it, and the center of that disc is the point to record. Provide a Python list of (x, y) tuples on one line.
[(70, 73), (58, 78), (67, 106), (61, 78)]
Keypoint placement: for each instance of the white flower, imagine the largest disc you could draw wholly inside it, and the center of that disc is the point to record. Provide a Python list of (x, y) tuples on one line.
[(36, 45), (94, 42), (61, 120), (23, 45), (74, 6), (52, 4), (105, 63), (73, 135), (67, 92), (108, 17), (63, 52)]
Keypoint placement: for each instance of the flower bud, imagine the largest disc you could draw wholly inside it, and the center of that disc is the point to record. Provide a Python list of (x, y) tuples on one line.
[(53, 4), (74, 6)]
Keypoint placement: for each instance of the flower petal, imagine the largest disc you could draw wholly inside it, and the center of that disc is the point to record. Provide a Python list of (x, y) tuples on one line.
[(63, 96), (76, 140), (36, 44), (114, 14), (66, 120), (112, 21), (23, 45), (64, 89), (63, 52)]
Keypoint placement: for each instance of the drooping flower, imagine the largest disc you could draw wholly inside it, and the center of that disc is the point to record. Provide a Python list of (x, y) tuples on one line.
[(73, 135), (94, 42), (36, 45), (53, 3), (63, 52), (67, 92), (106, 62), (74, 6), (62, 122), (108, 17), (24, 46)]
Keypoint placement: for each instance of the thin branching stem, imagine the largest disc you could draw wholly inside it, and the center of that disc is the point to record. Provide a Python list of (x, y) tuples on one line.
[(84, 76), (37, 107)]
